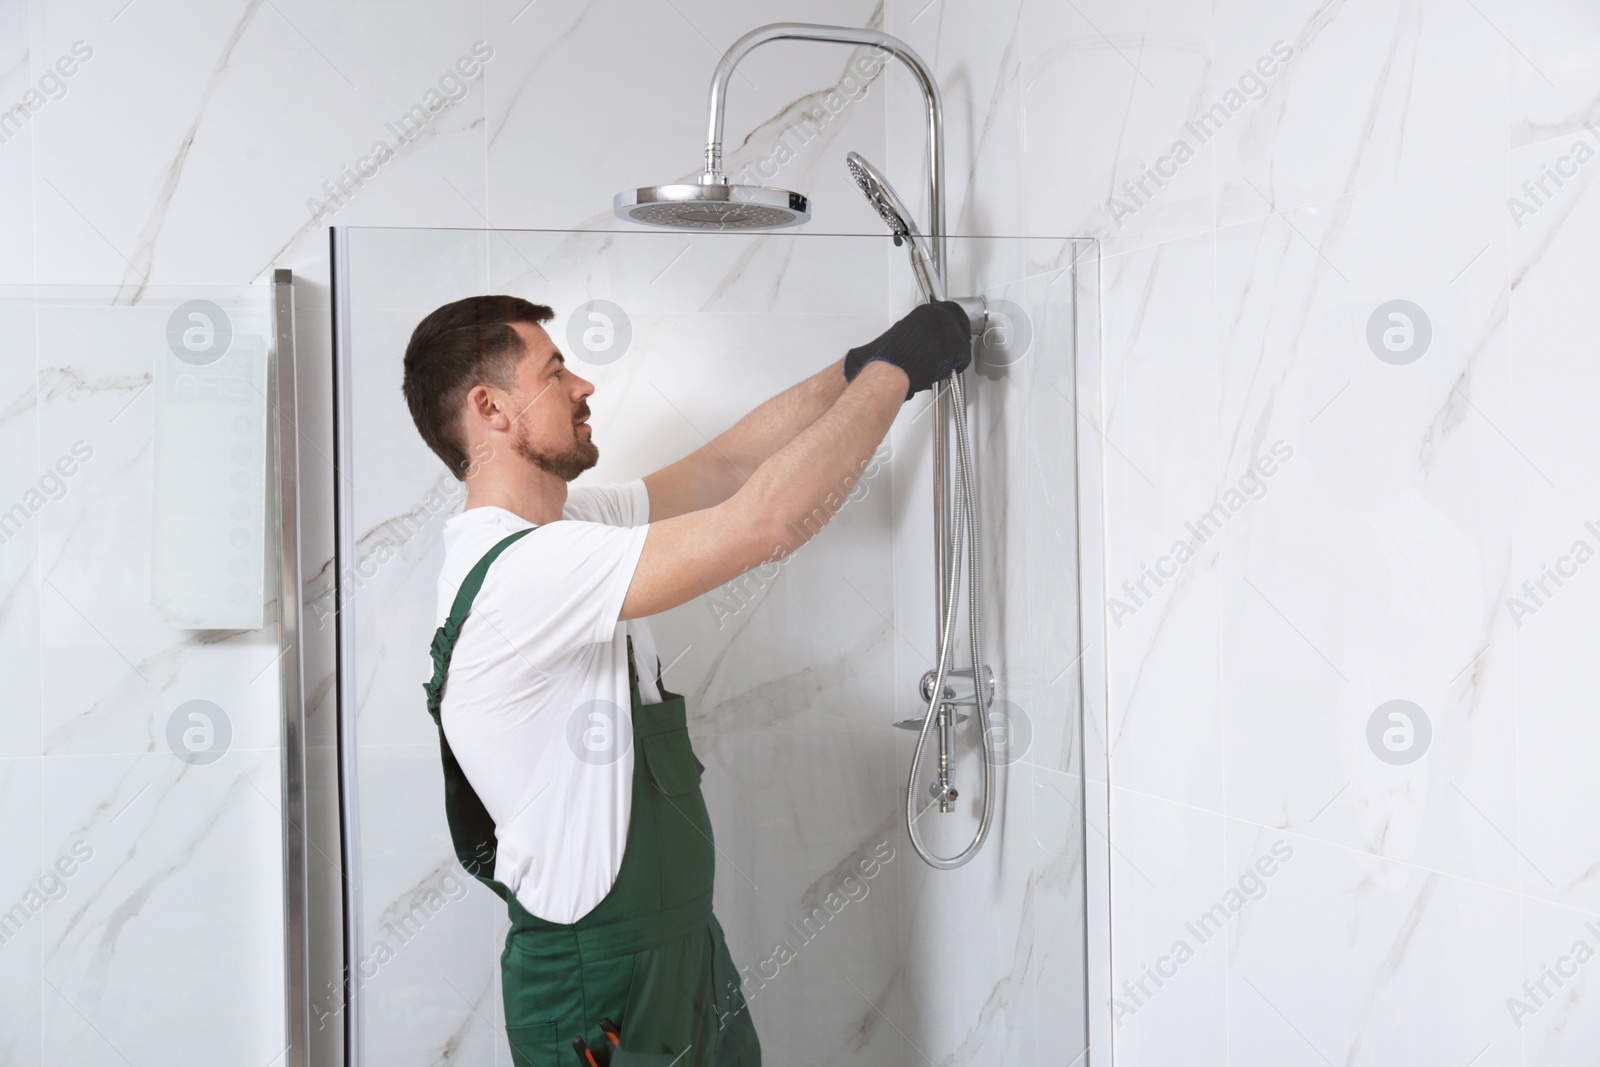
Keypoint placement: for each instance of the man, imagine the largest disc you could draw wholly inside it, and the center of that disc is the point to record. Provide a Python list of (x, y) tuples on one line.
[(587, 819)]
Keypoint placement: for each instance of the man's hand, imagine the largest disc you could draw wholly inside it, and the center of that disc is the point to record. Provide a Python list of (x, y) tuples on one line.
[(931, 343)]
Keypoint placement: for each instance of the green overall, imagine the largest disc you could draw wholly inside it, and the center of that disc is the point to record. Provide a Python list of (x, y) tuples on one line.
[(650, 956)]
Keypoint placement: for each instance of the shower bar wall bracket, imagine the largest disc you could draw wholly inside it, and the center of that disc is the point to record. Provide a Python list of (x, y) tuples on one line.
[(959, 692), (958, 687)]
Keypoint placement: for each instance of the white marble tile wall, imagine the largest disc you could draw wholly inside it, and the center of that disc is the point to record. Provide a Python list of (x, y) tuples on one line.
[(1378, 152), (1375, 163), (132, 876)]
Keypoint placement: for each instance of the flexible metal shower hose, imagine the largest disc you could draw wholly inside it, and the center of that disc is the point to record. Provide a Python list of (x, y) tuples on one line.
[(966, 519)]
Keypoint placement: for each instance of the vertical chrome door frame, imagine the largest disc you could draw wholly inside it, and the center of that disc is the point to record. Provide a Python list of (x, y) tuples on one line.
[(291, 687), (345, 641), (1093, 658)]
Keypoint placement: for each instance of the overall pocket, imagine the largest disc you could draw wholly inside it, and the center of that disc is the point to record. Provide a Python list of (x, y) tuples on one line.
[(674, 767), (680, 836)]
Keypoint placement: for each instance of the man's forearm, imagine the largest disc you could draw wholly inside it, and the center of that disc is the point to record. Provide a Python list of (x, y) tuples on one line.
[(805, 483), (774, 423)]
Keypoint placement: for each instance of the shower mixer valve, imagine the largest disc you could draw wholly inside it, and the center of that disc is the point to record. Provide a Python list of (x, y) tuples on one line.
[(958, 690)]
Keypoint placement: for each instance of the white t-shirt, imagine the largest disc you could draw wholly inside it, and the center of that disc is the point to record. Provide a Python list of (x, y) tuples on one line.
[(536, 705)]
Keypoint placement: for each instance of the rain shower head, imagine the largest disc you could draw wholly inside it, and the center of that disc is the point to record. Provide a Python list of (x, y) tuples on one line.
[(712, 205)]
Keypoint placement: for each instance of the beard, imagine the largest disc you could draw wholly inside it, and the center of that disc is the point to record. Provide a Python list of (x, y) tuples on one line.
[(565, 464)]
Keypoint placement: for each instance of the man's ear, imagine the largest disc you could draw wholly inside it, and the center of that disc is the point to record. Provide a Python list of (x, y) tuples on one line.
[(487, 406)]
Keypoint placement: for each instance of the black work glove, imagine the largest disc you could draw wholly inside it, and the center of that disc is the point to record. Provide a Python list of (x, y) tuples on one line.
[(929, 344)]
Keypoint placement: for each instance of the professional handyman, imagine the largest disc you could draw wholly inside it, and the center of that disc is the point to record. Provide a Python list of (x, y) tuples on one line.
[(585, 818)]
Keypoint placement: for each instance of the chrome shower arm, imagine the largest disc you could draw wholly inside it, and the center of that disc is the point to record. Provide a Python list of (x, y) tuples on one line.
[(806, 31)]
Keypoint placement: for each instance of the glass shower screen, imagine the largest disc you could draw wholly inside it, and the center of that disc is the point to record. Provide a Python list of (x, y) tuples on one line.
[(793, 678)]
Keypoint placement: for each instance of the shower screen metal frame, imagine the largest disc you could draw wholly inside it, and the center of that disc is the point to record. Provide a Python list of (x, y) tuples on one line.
[(291, 679), (344, 643)]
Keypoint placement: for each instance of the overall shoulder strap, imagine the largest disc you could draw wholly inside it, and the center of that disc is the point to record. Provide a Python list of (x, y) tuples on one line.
[(472, 829), (474, 579), (444, 639)]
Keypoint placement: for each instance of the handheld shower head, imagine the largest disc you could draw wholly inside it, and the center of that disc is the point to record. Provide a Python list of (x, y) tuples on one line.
[(893, 211), (712, 206), (880, 194)]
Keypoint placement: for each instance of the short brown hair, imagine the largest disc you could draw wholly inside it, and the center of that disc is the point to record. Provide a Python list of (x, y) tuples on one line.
[(456, 348)]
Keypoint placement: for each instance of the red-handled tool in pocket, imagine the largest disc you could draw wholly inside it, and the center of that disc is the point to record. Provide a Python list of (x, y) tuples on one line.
[(586, 1056)]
